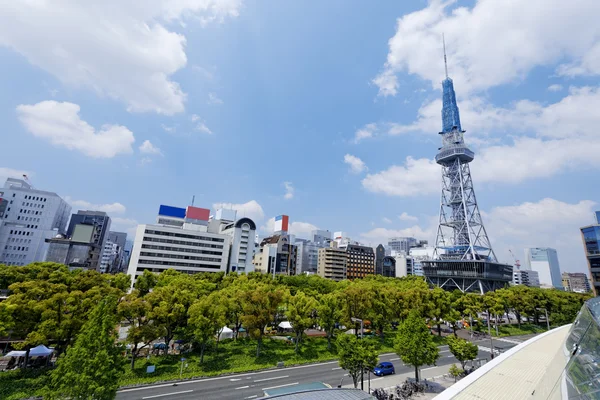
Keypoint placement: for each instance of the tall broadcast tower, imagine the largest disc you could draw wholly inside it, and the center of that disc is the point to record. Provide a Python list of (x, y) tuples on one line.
[(463, 258)]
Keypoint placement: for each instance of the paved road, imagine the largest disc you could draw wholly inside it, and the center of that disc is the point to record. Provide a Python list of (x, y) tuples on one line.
[(251, 385)]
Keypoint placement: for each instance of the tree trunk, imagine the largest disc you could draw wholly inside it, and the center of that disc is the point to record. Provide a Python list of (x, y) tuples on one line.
[(297, 342), (497, 334), (355, 380), (328, 341), (439, 329), (462, 364), (416, 373), (26, 356), (134, 352), (202, 352), (518, 315), (259, 344)]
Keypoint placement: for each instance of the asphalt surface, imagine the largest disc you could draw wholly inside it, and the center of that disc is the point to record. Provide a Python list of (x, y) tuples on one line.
[(252, 385)]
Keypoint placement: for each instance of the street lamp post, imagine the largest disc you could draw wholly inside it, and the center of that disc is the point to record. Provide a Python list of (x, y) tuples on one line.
[(361, 325), (490, 333), (547, 320)]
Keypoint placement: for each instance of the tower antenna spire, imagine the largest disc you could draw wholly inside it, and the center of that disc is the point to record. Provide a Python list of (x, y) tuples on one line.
[(445, 61)]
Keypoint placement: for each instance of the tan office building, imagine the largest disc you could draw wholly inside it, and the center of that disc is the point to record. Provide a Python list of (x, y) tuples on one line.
[(332, 263)]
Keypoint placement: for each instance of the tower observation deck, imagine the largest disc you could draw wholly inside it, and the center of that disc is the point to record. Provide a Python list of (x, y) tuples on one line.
[(463, 257)]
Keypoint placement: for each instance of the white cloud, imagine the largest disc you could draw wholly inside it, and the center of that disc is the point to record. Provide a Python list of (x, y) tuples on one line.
[(13, 173), (365, 132), (251, 209), (546, 223), (60, 124), (562, 136), (381, 235), (356, 164), (300, 229), (289, 190), (415, 177), (128, 225), (555, 87), (148, 148), (200, 125), (406, 217), (109, 208), (386, 220), (529, 38), (168, 129), (121, 49), (214, 99)]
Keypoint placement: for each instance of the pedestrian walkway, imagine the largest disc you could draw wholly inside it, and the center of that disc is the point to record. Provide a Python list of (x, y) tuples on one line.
[(512, 341)]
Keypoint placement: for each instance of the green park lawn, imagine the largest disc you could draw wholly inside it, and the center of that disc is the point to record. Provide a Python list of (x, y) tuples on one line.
[(514, 330), (232, 357)]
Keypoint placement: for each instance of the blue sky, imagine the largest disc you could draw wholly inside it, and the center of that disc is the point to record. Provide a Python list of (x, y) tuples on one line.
[(325, 111)]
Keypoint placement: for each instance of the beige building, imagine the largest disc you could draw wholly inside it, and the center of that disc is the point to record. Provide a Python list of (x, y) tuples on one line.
[(576, 282), (276, 255), (332, 262)]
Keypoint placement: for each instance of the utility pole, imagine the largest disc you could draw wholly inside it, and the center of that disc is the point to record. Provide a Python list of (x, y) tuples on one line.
[(490, 333)]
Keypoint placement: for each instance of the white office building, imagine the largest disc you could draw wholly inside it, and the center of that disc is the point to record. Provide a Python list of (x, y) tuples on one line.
[(420, 254), (242, 233), (544, 261), (31, 216), (187, 249), (526, 277)]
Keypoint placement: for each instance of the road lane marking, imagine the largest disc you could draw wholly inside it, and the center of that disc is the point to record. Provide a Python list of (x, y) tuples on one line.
[(242, 387), (394, 359), (444, 351), (333, 369), (252, 397), (134, 389), (235, 379), (270, 379), (376, 379), (275, 387), (166, 394), (425, 369)]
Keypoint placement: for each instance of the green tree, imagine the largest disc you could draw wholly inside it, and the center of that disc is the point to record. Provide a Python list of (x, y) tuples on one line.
[(91, 368), (356, 355), (462, 349), (260, 302), (357, 302), (455, 372), (414, 343), (171, 299), (206, 320), (438, 306), (300, 311), (328, 314), (145, 282), (135, 309)]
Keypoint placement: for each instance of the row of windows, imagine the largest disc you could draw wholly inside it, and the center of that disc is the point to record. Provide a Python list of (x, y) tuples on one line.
[(17, 240), (182, 235), (32, 219), (34, 205), (22, 233), (18, 248), (15, 263), (171, 241), (184, 250), (28, 211), (177, 264), (28, 197), (14, 256), (178, 257)]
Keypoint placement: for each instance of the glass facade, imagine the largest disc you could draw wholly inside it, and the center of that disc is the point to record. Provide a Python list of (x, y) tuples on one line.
[(591, 240)]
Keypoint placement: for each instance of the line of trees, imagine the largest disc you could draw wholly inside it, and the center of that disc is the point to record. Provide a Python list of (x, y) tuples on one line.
[(48, 304)]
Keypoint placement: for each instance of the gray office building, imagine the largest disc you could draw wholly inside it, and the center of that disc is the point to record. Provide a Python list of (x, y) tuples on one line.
[(99, 222)]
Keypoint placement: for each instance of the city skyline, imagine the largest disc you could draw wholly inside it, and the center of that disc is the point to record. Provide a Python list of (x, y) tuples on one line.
[(250, 105)]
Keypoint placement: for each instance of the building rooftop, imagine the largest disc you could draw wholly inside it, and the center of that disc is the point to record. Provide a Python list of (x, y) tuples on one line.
[(560, 364)]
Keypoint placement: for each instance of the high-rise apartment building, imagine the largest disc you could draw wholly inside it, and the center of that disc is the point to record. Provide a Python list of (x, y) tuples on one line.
[(361, 261), (30, 217), (576, 282), (526, 277), (180, 240), (276, 256), (404, 244), (404, 265), (591, 245), (113, 255), (332, 262), (544, 261), (379, 256), (99, 223)]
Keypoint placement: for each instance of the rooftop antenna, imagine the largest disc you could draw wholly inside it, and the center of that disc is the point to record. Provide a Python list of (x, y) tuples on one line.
[(445, 62), (193, 198)]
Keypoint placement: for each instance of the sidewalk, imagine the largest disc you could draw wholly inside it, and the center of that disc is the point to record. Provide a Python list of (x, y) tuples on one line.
[(431, 374)]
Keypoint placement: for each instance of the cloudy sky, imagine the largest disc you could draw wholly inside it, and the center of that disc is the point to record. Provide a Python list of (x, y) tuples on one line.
[(325, 111)]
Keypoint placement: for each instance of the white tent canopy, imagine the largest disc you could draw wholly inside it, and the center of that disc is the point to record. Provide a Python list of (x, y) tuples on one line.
[(226, 333), (15, 353), (285, 325), (40, 351)]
